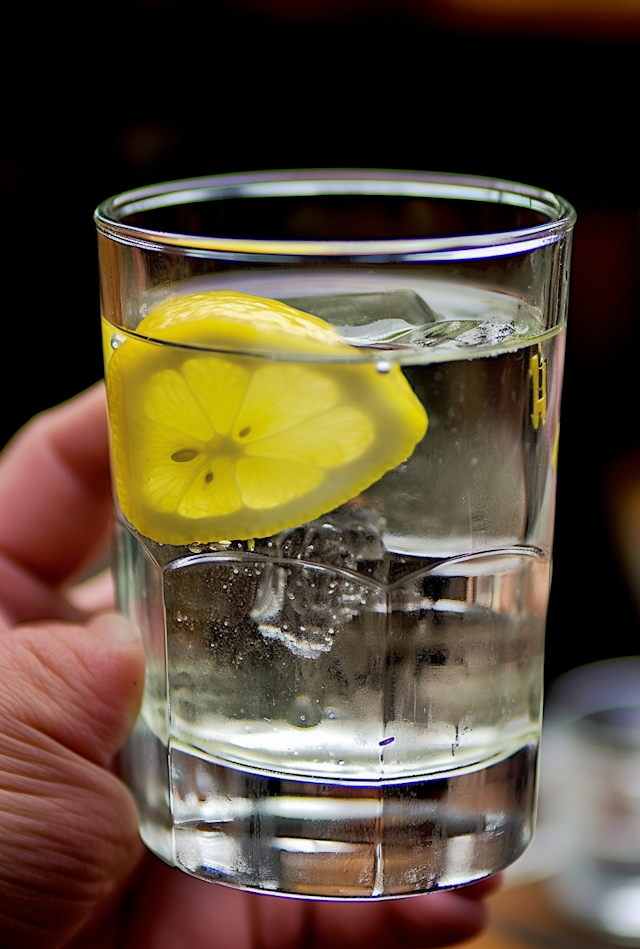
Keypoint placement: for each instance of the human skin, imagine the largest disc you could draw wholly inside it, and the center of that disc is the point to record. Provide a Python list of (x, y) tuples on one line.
[(73, 872)]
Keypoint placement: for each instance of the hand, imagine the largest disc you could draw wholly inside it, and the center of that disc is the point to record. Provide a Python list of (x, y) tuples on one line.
[(72, 869)]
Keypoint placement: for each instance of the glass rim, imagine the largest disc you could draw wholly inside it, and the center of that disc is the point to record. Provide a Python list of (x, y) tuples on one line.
[(561, 215)]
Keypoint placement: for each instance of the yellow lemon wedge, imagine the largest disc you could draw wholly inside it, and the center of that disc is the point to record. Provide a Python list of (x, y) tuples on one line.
[(230, 420)]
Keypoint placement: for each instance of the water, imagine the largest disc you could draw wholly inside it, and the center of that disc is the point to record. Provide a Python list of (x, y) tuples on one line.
[(351, 708)]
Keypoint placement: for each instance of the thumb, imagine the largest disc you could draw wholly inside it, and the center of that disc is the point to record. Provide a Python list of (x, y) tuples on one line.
[(68, 825)]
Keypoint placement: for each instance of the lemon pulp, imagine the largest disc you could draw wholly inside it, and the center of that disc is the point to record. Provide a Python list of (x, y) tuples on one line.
[(214, 438)]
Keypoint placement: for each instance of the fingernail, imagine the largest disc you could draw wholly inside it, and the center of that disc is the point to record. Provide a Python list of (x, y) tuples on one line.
[(113, 628)]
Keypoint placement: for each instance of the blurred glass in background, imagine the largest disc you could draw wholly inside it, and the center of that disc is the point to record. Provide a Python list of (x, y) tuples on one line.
[(591, 797)]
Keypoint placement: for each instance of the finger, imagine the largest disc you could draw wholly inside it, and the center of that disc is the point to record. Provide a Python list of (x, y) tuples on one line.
[(55, 500), (437, 919), (175, 911), (94, 595), (483, 888), (69, 836), (26, 598)]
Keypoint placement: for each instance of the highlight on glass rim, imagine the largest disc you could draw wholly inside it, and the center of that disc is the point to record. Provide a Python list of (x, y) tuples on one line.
[(334, 404)]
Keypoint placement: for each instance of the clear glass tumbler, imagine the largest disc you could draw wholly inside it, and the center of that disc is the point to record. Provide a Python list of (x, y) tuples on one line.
[(594, 739), (334, 409)]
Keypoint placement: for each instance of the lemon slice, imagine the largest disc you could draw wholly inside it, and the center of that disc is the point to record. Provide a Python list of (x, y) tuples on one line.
[(217, 439)]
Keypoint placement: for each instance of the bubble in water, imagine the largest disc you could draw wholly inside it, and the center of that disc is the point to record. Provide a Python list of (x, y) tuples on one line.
[(383, 366), (305, 713), (117, 340)]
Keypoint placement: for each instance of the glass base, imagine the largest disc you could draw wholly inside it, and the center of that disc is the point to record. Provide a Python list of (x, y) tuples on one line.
[(334, 841)]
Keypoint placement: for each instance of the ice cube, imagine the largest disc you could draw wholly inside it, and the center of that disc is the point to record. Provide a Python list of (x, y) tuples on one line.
[(365, 318), (399, 317), (304, 606), (463, 333), (349, 538), (302, 601), (466, 485)]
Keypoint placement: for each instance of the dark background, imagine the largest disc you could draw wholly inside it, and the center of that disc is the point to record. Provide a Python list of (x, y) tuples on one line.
[(101, 98)]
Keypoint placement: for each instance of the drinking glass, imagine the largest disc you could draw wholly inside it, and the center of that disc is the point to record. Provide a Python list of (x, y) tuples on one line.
[(594, 736), (334, 405)]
